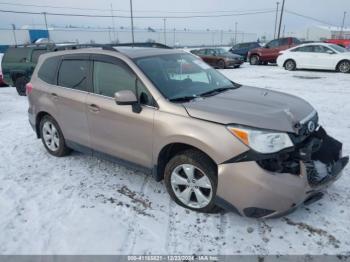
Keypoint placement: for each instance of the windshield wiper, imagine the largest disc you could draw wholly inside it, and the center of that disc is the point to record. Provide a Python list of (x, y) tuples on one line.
[(182, 98), (216, 91)]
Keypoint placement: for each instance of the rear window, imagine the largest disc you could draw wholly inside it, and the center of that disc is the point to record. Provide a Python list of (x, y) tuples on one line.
[(15, 55), (47, 71), (74, 74)]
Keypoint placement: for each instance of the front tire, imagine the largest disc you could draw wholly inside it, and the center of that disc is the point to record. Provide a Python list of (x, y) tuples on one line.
[(344, 66), (191, 181), (52, 137), (290, 65), (20, 84), (254, 60)]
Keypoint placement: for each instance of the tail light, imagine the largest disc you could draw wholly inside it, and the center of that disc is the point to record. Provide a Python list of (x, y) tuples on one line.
[(29, 88)]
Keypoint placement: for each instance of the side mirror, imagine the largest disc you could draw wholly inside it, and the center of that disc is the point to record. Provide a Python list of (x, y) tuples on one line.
[(330, 52), (127, 97)]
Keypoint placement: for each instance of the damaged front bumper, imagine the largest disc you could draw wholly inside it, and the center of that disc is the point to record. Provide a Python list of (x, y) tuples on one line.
[(269, 185)]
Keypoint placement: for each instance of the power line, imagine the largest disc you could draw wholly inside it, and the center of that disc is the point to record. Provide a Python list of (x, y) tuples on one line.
[(143, 17), (127, 11), (308, 17)]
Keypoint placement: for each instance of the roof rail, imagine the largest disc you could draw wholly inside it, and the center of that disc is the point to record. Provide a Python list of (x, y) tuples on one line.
[(109, 48)]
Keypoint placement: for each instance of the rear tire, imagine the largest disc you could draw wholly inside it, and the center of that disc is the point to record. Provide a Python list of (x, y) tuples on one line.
[(20, 84), (221, 64), (254, 60), (344, 66), (191, 181), (52, 137), (290, 65)]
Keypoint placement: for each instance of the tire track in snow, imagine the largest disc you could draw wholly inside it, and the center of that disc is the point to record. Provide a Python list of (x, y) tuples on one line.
[(170, 245), (130, 238)]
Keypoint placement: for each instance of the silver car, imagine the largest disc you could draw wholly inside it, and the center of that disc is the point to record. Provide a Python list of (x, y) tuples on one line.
[(215, 143)]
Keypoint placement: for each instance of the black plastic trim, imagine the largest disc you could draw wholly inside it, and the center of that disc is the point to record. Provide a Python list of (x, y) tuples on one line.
[(89, 151)]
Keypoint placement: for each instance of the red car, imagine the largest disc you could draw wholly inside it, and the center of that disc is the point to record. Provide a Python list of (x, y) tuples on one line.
[(342, 42), (270, 52)]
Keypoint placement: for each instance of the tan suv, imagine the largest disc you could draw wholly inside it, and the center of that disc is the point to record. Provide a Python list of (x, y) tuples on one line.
[(167, 113)]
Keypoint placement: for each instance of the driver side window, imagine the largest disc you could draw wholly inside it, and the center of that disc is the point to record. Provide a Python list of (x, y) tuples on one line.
[(109, 78)]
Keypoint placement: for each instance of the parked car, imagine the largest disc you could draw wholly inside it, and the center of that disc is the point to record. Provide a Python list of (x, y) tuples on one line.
[(316, 56), (341, 42), (2, 83), (219, 57), (167, 113), (18, 65), (243, 48), (270, 52)]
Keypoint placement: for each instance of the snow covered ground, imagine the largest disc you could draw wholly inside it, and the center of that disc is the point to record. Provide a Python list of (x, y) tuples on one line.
[(82, 205)]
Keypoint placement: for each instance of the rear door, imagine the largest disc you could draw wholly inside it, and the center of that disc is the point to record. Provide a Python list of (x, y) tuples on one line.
[(303, 56), (115, 129), (75, 82)]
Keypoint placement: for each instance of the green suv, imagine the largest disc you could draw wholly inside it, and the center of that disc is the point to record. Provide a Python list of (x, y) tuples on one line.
[(18, 65)]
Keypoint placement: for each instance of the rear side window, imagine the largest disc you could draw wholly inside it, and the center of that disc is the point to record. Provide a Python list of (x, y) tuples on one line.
[(74, 74), (16, 55), (36, 53), (307, 48), (48, 69), (296, 41), (284, 41)]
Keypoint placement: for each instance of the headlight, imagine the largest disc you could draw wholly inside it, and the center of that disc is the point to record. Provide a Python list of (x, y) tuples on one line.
[(262, 141)]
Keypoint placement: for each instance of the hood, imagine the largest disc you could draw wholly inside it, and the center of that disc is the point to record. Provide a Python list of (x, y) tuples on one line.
[(254, 107)]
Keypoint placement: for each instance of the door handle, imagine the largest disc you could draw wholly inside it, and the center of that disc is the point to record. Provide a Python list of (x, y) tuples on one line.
[(94, 108), (54, 96)]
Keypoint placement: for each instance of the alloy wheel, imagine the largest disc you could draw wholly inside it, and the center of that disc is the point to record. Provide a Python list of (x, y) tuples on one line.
[(191, 186), (290, 65), (344, 67), (254, 60), (51, 136)]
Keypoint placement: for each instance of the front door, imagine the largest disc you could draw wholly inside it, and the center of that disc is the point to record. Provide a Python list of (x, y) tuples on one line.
[(116, 130)]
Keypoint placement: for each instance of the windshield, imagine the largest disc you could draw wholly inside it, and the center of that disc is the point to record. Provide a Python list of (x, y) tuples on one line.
[(183, 75), (339, 48), (220, 51)]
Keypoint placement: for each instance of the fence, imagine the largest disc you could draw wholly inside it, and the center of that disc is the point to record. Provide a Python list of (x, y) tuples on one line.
[(172, 37)]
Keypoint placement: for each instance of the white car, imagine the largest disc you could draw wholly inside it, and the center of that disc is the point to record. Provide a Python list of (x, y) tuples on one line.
[(315, 56)]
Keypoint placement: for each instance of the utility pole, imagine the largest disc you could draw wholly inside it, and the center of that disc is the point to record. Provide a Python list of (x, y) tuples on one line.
[(113, 24), (164, 28), (14, 33), (47, 29), (274, 32), (132, 23), (279, 28), (174, 37), (342, 26), (236, 32)]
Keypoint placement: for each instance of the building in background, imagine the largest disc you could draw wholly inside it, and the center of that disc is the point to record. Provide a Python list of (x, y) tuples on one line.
[(320, 33)]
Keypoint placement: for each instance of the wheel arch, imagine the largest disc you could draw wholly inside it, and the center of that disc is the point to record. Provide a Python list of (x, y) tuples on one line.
[(38, 118), (342, 60), (170, 150)]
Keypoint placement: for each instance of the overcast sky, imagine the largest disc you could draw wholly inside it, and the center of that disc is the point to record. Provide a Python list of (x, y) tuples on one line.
[(330, 11)]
